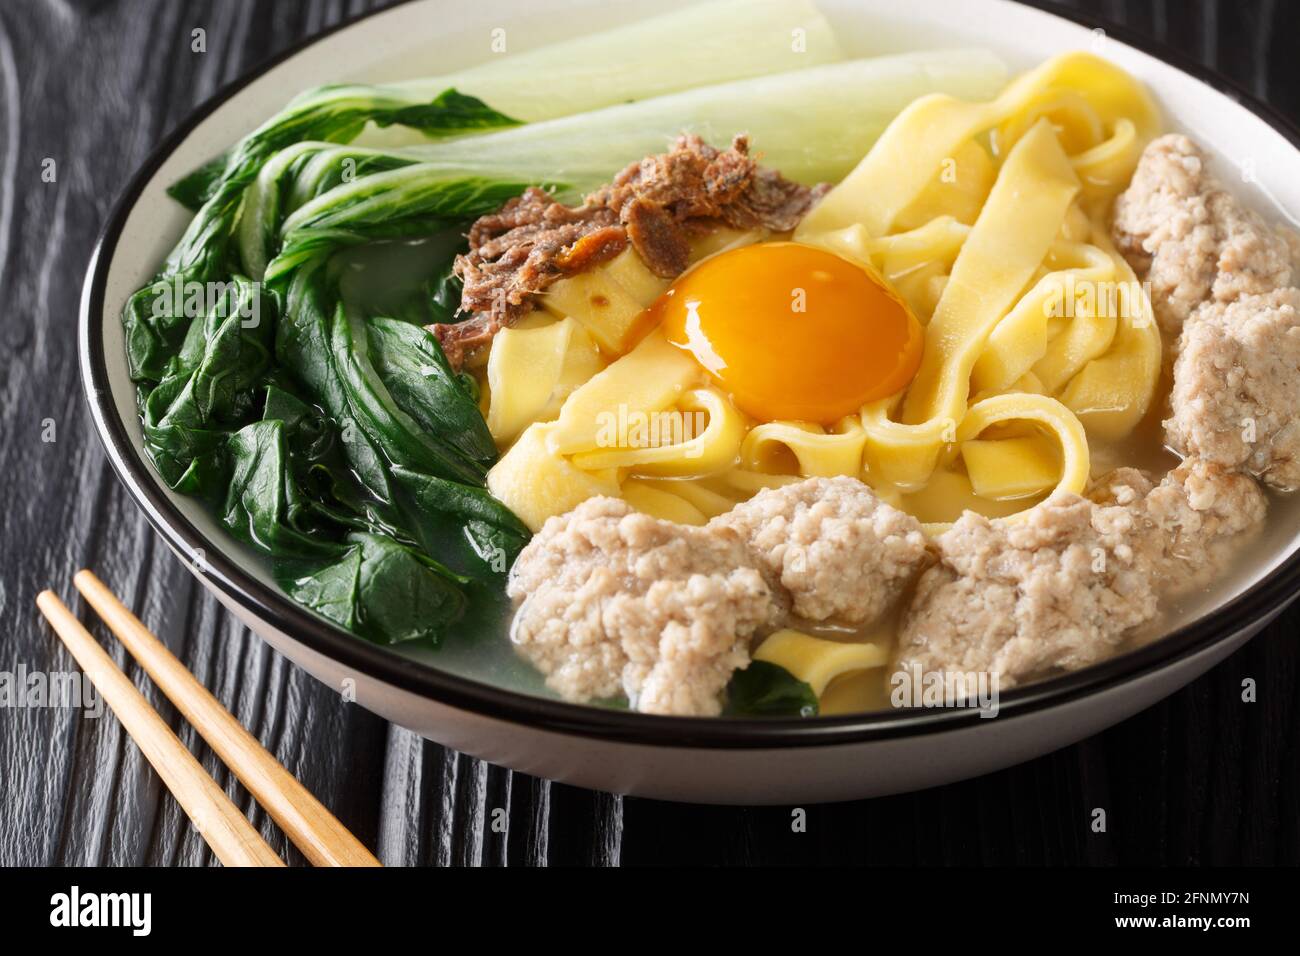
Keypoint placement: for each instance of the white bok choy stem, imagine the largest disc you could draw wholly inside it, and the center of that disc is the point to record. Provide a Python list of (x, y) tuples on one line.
[(698, 45), (813, 125)]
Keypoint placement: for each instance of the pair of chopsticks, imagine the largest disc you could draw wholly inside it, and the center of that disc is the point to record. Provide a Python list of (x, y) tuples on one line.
[(304, 820)]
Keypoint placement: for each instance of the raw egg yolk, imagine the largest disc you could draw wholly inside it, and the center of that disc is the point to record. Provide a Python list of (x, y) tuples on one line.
[(793, 332)]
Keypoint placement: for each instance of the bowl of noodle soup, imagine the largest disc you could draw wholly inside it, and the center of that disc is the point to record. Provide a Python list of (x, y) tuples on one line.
[(946, 452)]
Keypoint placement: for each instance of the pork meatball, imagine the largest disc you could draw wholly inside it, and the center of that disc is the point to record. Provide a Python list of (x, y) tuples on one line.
[(1192, 518), (1193, 240), (1199, 512), (1236, 394), (1055, 589), (841, 554), (614, 602)]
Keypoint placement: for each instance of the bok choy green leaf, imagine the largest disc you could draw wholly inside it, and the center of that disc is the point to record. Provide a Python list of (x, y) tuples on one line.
[(401, 203), (337, 114), (291, 177), (411, 365), (382, 590), (764, 689)]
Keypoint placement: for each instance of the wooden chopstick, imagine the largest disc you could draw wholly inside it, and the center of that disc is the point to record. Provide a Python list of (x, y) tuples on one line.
[(219, 821), (312, 828)]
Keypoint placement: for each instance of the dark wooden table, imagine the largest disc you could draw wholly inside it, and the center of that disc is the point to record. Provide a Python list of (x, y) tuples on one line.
[(91, 86)]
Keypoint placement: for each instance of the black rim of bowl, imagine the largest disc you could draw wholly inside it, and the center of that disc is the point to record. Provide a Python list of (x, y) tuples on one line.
[(1254, 606)]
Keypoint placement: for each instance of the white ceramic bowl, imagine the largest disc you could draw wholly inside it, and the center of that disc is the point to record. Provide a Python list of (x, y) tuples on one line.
[(721, 761)]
